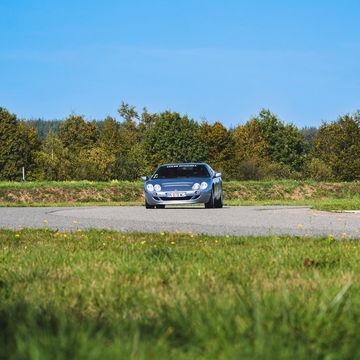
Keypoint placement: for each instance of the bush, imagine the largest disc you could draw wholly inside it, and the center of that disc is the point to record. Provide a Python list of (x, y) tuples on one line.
[(249, 169), (255, 169), (316, 169), (278, 171)]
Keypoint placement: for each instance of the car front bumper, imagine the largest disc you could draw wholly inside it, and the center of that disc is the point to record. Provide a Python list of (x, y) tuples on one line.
[(192, 197)]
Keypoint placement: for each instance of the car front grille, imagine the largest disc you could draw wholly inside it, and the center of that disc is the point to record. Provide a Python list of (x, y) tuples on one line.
[(176, 198), (177, 185)]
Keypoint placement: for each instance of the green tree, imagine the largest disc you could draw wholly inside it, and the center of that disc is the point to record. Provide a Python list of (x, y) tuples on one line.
[(147, 120), (309, 133), (128, 113), (18, 144), (110, 138), (78, 134), (338, 145), (134, 164), (316, 169), (218, 144), (286, 144), (249, 142), (129, 131), (174, 138), (99, 161), (54, 160), (250, 152), (29, 144), (96, 164), (43, 127)]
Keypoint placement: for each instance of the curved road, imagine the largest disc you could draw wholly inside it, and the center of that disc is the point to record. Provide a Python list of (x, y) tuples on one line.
[(235, 220)]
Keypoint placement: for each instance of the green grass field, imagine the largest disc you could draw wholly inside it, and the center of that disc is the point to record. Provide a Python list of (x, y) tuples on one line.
[(322, 196), (110, 295)]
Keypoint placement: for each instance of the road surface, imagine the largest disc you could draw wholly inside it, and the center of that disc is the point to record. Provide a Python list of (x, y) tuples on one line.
[(230, 220)]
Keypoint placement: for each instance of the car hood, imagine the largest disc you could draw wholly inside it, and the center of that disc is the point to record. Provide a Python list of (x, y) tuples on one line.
[(178, 184)]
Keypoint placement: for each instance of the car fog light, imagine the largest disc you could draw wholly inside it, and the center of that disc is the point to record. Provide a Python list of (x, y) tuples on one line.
[(197, 192), (196, 186), (157, 187), (150, 187), (203, 185)]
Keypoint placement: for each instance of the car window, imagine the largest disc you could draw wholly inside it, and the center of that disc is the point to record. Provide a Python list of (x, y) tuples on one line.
[(181, 171)]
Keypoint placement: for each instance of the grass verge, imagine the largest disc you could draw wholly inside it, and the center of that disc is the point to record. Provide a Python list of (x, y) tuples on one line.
[(321, 196), (101, 294)]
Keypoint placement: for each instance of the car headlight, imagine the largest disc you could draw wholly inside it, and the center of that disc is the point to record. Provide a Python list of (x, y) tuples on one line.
[(196, 186), (203, 185), (150, 187), (157, 187)]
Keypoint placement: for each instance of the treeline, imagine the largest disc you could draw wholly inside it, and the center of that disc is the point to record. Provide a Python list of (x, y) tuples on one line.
[(263, 148)]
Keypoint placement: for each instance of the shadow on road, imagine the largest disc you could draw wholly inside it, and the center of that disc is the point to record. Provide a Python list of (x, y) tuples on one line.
[(191, 208)]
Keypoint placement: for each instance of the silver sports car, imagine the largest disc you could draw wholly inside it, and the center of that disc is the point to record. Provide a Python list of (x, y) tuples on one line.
[(189, 183)]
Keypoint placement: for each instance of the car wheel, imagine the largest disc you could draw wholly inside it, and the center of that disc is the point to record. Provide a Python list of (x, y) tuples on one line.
[(219, 203), (160, 206), (211, 203), (148, 206)]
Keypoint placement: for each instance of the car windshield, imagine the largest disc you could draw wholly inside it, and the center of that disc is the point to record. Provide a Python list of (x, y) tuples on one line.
[(181, 171)]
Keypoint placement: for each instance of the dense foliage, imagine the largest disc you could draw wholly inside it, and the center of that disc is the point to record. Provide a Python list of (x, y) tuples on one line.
[(261, 149)]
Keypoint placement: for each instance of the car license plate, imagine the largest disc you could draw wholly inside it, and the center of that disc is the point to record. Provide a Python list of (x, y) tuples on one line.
[(176, 194)]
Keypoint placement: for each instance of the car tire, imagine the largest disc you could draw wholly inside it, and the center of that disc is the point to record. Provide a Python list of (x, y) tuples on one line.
[(211, 203), (219, 203), (148, 206), (160, 206)]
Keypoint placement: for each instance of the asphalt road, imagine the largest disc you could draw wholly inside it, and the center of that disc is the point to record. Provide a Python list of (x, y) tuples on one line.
[(234, 220)]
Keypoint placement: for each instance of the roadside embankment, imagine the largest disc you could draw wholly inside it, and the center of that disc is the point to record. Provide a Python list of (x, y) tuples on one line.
[(324, 196)]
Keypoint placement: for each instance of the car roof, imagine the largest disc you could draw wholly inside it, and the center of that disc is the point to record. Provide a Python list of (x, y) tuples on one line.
[(192, 163)]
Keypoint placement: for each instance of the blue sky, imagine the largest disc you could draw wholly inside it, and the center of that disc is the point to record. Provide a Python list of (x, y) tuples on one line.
[(215, 60)]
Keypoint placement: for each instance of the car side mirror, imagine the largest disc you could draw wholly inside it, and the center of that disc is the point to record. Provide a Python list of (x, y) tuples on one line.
[(144, 178), (218, 174)]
